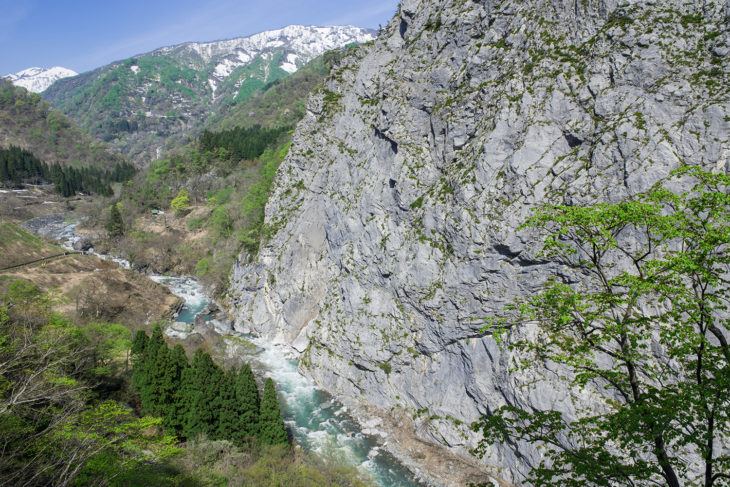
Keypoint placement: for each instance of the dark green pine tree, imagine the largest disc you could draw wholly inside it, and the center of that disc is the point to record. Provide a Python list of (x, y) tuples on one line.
[(228, 411), (115, 225), (160, 391), (139, 343), (149, 389), (137, 352), (247, 396), (201, 397), (186, 397), (173, 407), (271, 427)]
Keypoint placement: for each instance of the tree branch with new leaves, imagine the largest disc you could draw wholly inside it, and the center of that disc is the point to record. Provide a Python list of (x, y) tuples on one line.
[(644, 325)]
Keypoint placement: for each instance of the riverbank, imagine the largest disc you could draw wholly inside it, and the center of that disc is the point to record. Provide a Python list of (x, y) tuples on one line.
[(319, 424), (89, 288), (394, 434)]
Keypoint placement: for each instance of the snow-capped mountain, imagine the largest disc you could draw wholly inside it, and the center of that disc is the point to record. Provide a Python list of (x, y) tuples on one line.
[(174, 91), (39, 79), (296, 44)]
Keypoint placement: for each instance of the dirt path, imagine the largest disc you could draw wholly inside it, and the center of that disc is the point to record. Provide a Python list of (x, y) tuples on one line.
[(44, 259)]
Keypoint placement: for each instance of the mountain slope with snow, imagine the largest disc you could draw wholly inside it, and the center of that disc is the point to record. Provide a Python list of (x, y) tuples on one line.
[(152, 101), (38, 80)]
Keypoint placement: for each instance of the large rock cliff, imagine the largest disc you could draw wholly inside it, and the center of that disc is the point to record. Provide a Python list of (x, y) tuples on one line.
[(395, 217)]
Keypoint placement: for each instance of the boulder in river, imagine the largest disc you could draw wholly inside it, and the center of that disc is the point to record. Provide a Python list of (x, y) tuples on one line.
[(83, 244)]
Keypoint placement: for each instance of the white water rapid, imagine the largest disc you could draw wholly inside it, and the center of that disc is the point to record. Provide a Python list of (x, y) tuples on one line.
[(317, 421)]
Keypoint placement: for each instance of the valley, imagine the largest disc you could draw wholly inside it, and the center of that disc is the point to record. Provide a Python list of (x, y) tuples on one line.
[(162, 240)]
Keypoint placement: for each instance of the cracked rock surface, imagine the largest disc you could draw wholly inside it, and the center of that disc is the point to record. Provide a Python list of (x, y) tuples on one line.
[(395, 217)]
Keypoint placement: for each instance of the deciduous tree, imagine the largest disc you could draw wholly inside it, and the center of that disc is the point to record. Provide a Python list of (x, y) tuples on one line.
[(181, 203), (643, 323)]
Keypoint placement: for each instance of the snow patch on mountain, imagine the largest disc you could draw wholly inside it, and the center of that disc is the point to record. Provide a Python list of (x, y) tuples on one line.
[(225, 68), (39, 79), (290, 63), (300, 43)]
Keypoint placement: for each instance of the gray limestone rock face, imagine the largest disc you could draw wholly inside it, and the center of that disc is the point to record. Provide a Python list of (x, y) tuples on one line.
[(396, 214)]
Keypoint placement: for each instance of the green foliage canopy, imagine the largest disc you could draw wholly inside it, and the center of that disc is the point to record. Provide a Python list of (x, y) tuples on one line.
[(18, 166), (181, 203), (242, 143), (646, 328), (53, 427)]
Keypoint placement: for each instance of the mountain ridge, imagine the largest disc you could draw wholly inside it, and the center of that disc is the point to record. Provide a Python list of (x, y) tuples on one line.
[(152, 101), (26, 121)]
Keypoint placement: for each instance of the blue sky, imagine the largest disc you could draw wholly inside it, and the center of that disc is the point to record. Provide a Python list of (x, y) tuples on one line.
[(85, 34)]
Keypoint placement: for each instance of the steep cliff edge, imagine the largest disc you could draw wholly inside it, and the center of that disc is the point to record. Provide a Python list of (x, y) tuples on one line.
[(395, 217)]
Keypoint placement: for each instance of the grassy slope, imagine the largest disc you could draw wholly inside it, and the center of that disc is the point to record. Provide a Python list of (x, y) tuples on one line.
[(18, 246), (279, 103), (153, 101), (90, 288)]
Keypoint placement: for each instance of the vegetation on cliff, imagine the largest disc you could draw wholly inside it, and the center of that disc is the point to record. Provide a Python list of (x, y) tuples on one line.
[(643, 329)]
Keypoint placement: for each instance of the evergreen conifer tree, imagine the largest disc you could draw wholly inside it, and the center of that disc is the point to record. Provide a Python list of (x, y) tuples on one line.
[(148, 390), (115, 226), (173, 409), (247, 396), (139, 366), (159, 393), (139, 343), (186, 397), (202, 401), (229, 409), (271, 427)]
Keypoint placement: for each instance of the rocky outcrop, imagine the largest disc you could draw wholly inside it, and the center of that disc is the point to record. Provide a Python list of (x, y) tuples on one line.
[(395, 217)]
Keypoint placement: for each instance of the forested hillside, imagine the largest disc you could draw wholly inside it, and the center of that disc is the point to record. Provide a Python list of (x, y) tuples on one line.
[(282, 102), (29, 123), (61, 421), (74, 413), (19, 166)]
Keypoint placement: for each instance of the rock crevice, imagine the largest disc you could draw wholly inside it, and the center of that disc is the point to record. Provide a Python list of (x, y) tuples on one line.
[(397, 212)]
